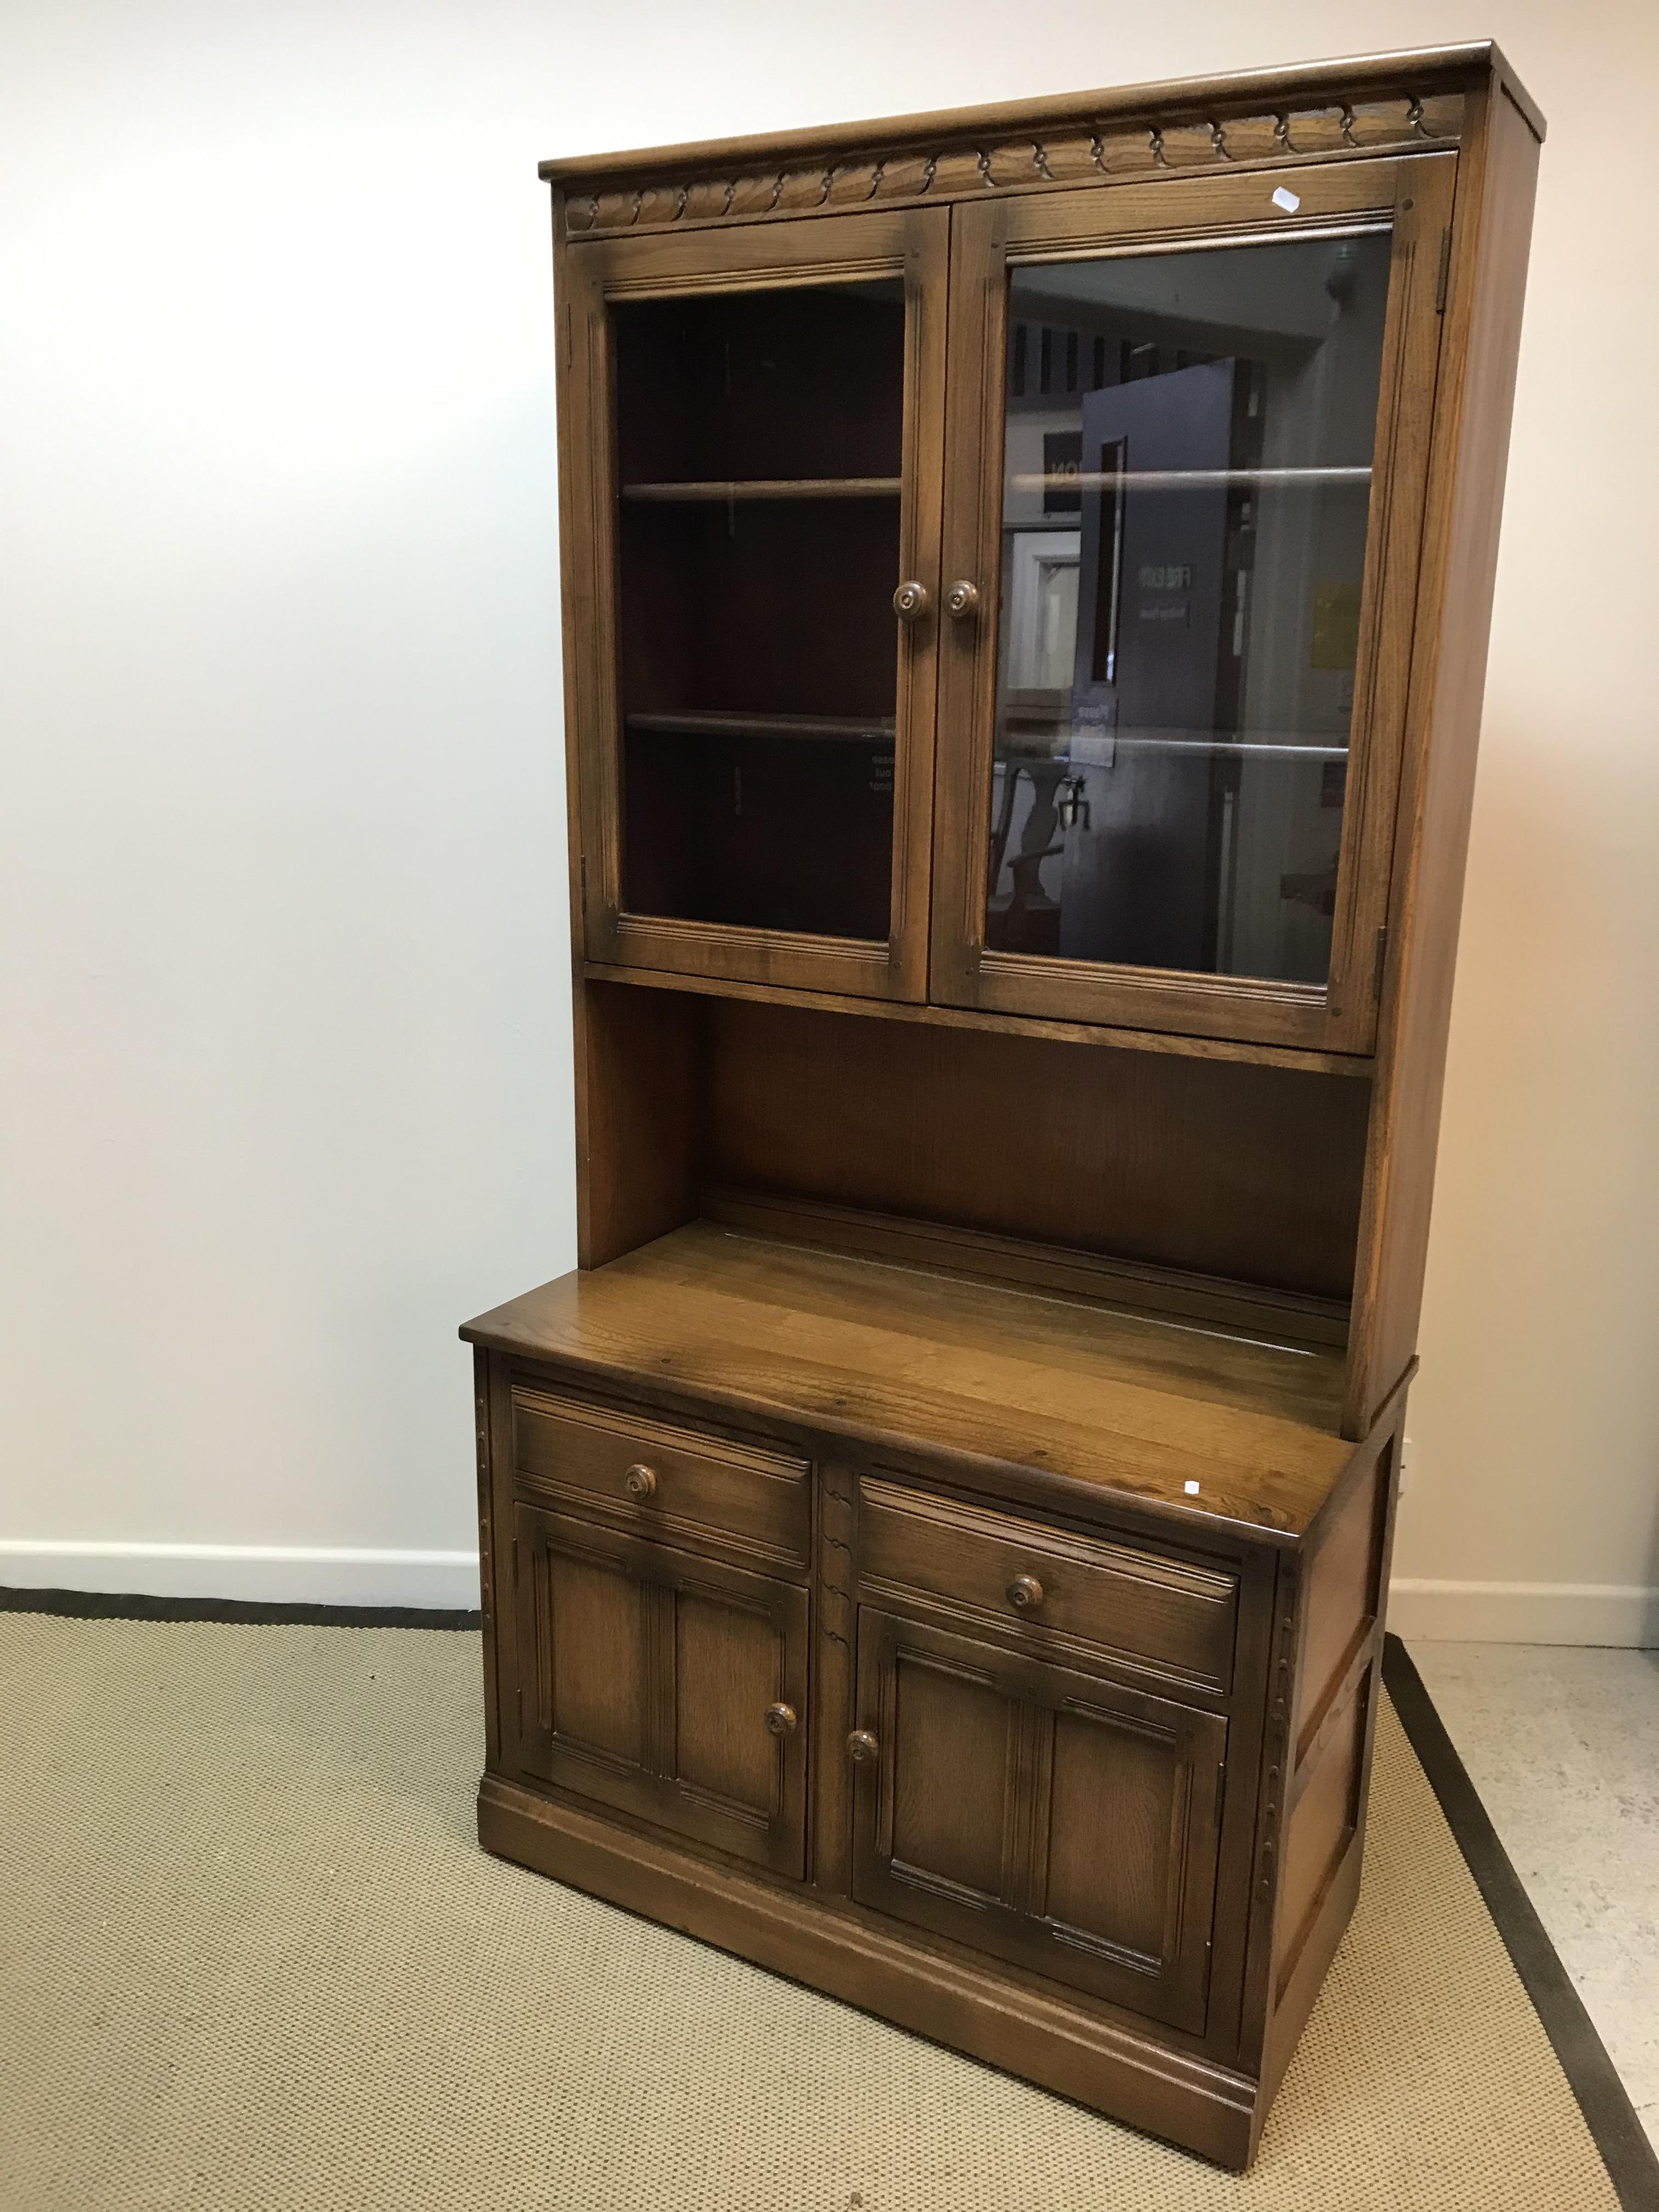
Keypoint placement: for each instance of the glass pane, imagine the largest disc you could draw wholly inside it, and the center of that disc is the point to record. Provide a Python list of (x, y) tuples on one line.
[(1188, 458), (759, 438)]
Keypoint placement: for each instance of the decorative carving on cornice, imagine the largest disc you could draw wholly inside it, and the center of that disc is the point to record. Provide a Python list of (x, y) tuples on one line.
[(1116, 152)]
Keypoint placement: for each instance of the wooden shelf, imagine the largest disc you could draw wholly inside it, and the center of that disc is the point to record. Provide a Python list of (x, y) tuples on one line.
[(1186, 479), (841, 729), (1294, 1057), (897, 1359), (747, 488)]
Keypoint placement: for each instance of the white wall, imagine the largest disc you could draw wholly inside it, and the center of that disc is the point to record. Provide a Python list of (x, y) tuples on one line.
[(282, 900)]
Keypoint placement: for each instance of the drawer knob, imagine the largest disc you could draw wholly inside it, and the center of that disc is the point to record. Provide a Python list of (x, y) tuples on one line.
[(862, 1747), (1025, 1593), (911, 601), (781, 1720), (639, 1482), (962, 600)]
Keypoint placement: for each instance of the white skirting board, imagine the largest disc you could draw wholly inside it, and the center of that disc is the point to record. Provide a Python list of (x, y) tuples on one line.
[(1626, 1615), (272, 1574), (295, 1574)]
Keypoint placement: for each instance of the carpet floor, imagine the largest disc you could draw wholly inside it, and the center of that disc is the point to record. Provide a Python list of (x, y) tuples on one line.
[(252, 1956)]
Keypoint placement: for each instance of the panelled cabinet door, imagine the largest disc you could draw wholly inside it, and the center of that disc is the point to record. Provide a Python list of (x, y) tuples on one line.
[(752, 500), (1188, 447), (1058, 1820), (671, 1686)]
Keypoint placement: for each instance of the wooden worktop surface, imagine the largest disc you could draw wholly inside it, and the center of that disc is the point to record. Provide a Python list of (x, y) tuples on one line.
[(906, 1358)]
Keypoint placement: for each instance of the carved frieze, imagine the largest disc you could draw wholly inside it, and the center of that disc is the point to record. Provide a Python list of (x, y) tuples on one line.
[(1114, 152)]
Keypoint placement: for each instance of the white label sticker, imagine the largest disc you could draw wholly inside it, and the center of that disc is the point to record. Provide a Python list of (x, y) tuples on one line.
[(1191, 1489), (1283, 196)]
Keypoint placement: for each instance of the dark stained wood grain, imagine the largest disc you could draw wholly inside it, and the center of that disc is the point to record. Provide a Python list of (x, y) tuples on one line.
[(989, 238), (1099, 1402), (647, 1674), (1357, 1066), (1246, 117), (1095, 2054), (995, 1777), (637, 1125), (1491, 236), (660, 1480), (908, 246), (961, 1366), (1151, 1613), (1251, 1174)]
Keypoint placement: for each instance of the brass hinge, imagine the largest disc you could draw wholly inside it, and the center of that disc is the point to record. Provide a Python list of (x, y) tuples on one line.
[(570, 340), (583, 872), (515, 1563), (1445, 277), (1381, 956)]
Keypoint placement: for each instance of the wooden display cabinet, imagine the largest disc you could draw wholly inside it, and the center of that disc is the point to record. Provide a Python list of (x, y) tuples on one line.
[(1027, 575)]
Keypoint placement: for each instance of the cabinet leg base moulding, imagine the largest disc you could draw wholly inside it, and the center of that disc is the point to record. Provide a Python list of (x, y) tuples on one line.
[(1109, 2068), (1026, 580)]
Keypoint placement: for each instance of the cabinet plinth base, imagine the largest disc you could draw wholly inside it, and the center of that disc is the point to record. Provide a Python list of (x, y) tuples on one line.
[(847, 1953)]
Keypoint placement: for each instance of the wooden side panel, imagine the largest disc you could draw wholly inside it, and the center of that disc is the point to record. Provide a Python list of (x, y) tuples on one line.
[(1490, 234), (1323, 1824), (1251, 1173), (492, 1639), (637, 1117), (1323, 1748), (1342, 1599)]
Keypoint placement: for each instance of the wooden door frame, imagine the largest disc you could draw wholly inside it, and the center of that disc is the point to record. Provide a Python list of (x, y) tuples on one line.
[(911, 243), (1413, 194), (1180, 1994), (655, 1791)]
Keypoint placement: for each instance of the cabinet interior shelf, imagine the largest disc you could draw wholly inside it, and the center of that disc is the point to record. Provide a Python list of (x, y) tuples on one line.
[(767, 488), (1159, 742), (1182, 479), (842, 729)]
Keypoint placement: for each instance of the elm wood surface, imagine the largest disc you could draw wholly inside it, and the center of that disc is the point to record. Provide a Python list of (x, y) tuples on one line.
[(637, 1119), (1173, 1619), (1247, 1308), (1113, 1036), (1415, 198), (653, 1680), (1317, 109), (609, 639), (995, 1777), (1095, 1401), (945, 1991), (1486, 284), (1120, 1255), (669, 1483), (1251, 1174)]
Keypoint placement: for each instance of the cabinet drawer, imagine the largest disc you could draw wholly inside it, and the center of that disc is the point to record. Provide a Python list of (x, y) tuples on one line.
[(1160, 1616), (647, 1476)]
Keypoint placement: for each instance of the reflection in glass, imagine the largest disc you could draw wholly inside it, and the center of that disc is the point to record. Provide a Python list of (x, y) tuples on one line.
[(759, 440), (1187, 457)]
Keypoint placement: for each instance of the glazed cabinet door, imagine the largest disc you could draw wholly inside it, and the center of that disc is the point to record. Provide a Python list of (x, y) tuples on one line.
[(670, 1686), (751, 472), (1185, 490), (1059, 1820)]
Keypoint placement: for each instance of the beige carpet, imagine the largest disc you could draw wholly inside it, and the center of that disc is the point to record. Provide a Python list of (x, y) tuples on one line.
[(252, 1957)]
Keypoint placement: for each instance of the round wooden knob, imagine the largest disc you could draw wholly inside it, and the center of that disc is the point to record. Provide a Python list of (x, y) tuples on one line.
[(962, 600), (781, 1720), (639, 1482), (1025, 1593), (911, 601), (862, 1747)]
